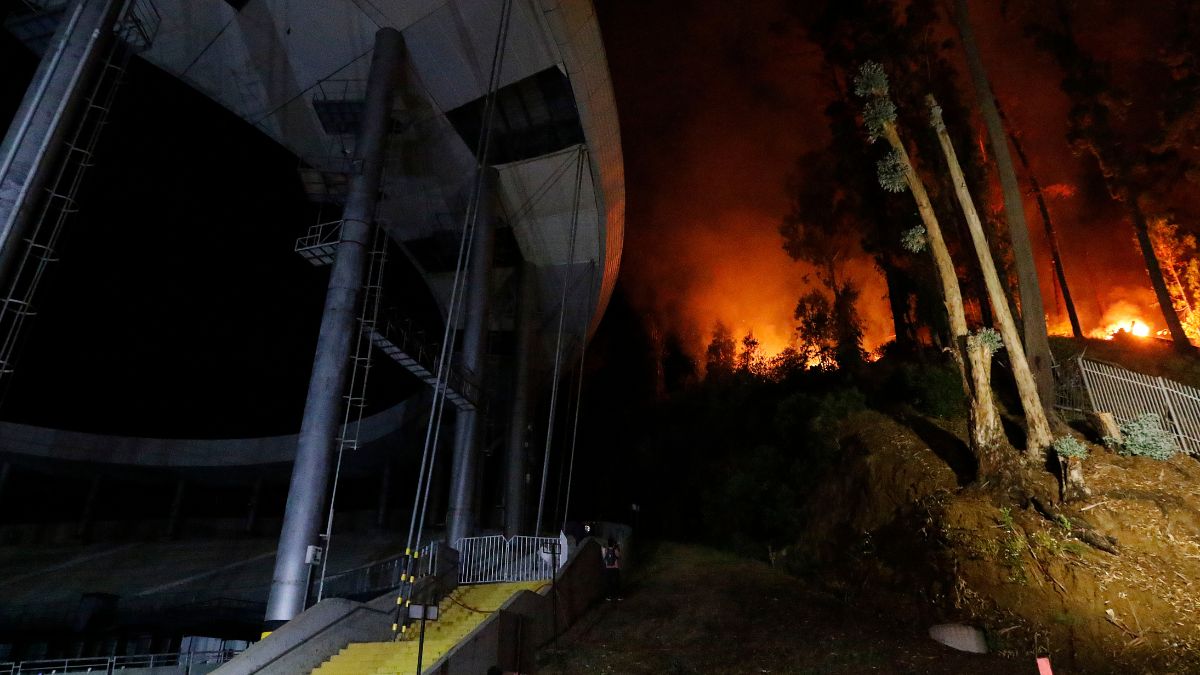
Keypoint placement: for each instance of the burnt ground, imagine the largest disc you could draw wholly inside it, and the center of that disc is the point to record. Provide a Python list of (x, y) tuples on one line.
[(690, 609)]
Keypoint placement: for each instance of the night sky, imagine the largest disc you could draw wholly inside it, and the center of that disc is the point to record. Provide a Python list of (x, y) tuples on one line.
[(179, 308)]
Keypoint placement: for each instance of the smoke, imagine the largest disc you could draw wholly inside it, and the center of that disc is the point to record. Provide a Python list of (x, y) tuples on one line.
[(715, 112), (718, 101)]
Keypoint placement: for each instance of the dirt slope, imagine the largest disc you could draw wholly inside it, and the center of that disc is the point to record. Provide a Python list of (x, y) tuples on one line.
[(900, 514)]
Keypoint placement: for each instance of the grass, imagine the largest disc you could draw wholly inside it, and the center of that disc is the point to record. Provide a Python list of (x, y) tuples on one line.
[(690, 609)]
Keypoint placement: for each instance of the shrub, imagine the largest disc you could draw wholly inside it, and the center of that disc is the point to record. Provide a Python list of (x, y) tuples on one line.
[(1069, 446), (1144, 437), (990, 338), (934, 390), (811, 420)]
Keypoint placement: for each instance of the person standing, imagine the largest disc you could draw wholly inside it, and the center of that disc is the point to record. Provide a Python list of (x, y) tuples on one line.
[(611, 555)]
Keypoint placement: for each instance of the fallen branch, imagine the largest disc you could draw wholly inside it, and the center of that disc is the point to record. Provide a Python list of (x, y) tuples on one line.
[(1080, 530)]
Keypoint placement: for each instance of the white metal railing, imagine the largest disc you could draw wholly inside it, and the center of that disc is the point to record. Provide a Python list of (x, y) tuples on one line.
[(181, 663), (1127, 394), (319, 244), (494, 559)]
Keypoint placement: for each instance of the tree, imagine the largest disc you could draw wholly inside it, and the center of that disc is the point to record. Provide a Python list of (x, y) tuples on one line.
[(896, 174), (749, 360), (850, 32), (1128, 157), (1177, 255), (821, 229), (1051, 234), (1038, 427), (1033, 316), (719, 357), (815, 329)]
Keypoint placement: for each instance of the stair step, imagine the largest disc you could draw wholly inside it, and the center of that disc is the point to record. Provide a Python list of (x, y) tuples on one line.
[(388, 658)]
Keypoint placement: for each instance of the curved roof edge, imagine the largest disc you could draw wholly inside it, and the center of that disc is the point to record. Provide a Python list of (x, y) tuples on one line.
[(576, 31), (77, 446)]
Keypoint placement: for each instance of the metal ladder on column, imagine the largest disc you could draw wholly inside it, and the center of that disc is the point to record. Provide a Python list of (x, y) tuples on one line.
[(355, 397), (135, 30)]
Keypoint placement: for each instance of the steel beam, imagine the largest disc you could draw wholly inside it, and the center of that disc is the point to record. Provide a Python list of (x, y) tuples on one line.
[(514, 479), (468, 424), (35, 139), (307, 493)]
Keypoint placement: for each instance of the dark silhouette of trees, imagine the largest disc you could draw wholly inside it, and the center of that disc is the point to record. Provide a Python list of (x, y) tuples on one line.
[(719, 361), (1033, 316), (1136, 154)]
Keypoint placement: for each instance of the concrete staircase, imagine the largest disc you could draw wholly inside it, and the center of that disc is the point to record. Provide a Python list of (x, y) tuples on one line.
[(460, 613)]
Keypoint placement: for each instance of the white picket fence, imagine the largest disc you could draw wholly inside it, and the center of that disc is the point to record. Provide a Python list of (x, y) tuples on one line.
[(495, 559), (1127, 394)]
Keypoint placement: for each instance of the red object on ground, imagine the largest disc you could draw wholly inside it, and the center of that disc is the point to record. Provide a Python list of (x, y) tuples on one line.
[(1044, 666)]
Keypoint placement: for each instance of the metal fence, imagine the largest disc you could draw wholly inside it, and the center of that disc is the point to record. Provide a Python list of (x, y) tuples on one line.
[(379, 577), (494, 559), (1127, 395), (186, 663)]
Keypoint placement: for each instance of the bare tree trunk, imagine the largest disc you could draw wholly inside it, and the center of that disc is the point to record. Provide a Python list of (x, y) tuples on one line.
[(983, 421), (898, 297), (1165, 304), (1051, 234), (987, 434), (1039, 434), (951, 293), (1033, 315), (1073, 484)]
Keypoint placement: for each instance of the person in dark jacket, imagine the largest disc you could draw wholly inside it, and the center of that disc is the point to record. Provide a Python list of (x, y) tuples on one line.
[(611, 557)]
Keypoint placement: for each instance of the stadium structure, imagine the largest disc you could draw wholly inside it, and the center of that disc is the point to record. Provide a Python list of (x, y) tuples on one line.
[(474, 143)]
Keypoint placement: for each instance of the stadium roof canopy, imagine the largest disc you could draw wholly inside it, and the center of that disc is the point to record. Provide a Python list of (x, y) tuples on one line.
[(296, 70)]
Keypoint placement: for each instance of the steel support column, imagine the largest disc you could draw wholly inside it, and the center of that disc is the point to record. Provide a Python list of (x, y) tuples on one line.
[(468, 424), (307, 493), (514, 479), (34, 141)]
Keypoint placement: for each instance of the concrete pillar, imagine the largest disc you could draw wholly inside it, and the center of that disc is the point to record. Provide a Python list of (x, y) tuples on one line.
[(176, 508), (89, 507), (309, 486), (468, 424), (514, 474), (47, 114)]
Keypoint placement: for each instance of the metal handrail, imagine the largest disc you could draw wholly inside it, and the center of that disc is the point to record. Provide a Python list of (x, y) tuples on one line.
[(111, 664), (381, 576)]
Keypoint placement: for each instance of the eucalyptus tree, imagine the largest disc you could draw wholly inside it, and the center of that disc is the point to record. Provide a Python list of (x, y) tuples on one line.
[(1033, 317), (973, 353), (1038, 434)]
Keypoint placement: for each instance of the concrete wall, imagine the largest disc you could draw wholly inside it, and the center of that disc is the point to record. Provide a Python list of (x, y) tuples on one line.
[(318, 633), (511, 637)]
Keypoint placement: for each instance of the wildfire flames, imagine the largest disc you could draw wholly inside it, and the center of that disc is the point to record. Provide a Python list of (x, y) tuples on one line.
[(1122, 317)]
